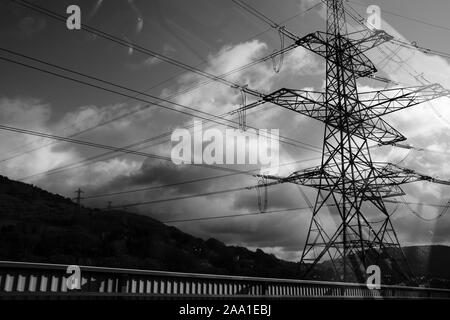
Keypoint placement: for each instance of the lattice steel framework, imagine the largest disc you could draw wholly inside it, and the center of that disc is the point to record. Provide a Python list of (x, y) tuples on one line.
[(347, 177)]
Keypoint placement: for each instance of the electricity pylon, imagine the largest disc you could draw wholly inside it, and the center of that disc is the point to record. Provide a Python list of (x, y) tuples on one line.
[(347, 178), (78, 198)]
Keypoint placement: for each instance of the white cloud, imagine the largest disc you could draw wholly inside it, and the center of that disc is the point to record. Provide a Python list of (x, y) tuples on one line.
[(29, 114), (167, 50), (30, 155), (103, 172)]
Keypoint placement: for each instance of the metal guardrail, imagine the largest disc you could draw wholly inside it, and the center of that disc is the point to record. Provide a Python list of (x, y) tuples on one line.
[(40, 280)]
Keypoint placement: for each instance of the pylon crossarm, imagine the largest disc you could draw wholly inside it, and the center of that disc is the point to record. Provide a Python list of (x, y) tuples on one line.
[(377, 130), (248, 107), (353, 59), (439, 181), (308, 103), (383, 183), (391, 174), (305, 176), (384, 193), (315, 42), (287, 33), (268, 184), (312, 177), (415, 176), (369, 39), (383, 102), (312, 104)]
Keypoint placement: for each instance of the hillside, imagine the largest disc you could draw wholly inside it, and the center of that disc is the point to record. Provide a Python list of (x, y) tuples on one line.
[(431, 264), (38, 226)]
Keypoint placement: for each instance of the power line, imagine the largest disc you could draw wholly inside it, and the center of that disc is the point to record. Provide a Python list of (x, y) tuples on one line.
[(256, 214), (102, 81), (102, 195), (204, 194), (185, 182), (76, 164), (260, 60), (440, 215), (235, 215), (412, 45), (92, 159), (113, 91), (417, 203), (136, 47), (196, 180), (387, 56), (87, 83), (405, 17), (133, 97), (111, 153), (401, 64), (123, 94), (257, 13), (200, 83), (298, 14), (106, 147), (410, 147)]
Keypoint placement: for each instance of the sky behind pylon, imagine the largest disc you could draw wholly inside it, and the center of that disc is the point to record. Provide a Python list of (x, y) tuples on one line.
[(215, 36)]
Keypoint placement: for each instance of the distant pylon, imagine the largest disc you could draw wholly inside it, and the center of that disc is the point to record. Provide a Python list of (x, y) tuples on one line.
[(78, 198)]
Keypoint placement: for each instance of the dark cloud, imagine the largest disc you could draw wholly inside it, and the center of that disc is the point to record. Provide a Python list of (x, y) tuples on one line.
[(278, 197), (30, 25), (155, 172)]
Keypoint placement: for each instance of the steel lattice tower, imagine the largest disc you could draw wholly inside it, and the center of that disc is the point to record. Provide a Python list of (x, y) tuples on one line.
[(347, 167), (347, 178)]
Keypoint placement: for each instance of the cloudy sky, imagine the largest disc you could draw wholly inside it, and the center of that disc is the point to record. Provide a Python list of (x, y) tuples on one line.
[(216, 36)]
